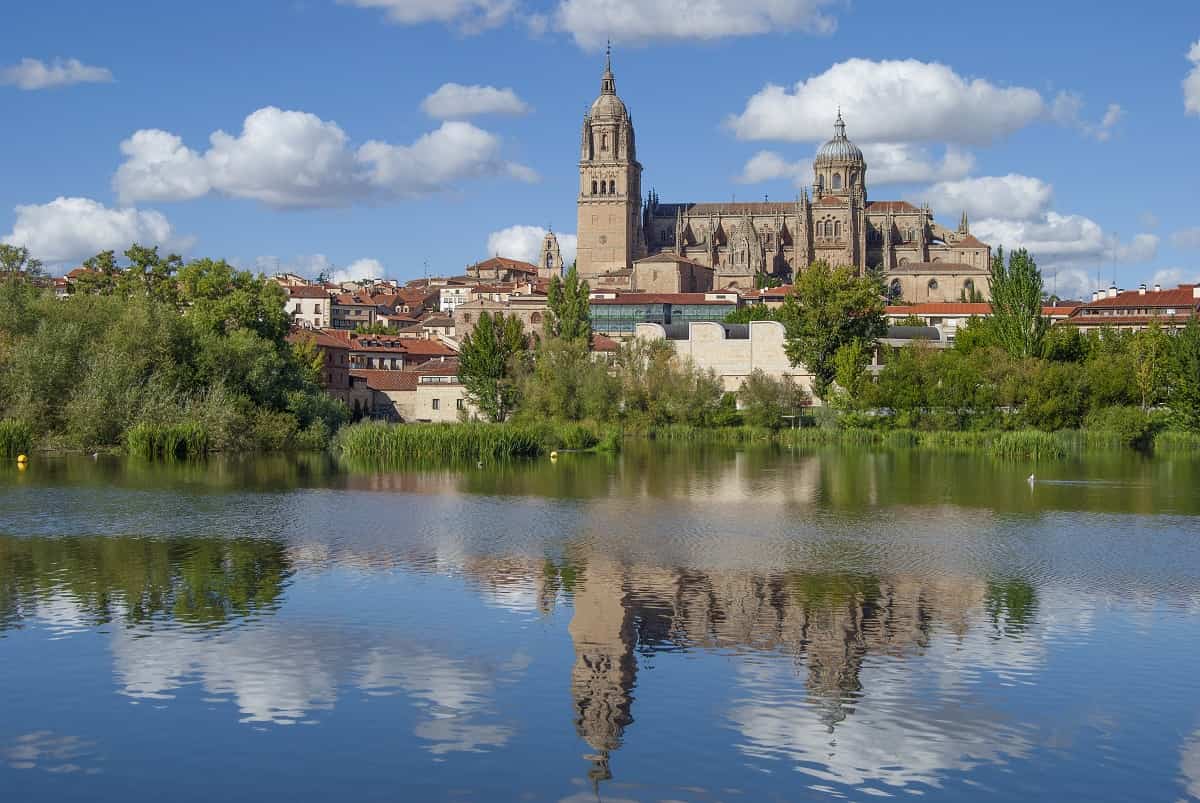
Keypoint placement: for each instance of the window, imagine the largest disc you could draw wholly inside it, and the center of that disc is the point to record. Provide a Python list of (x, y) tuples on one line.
[(933, 285), (837, 181), (612, 188), (594, 188), (466, 317), (316, 309), (604, 142), (837, 229), (458, 404), (436, 404), (535, 317), (603, 188)]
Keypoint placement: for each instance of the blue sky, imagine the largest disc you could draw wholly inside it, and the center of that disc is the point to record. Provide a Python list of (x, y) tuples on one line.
[(1068, 127)]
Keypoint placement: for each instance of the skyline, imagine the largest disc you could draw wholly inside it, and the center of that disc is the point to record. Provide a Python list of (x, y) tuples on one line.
[(403, 136)]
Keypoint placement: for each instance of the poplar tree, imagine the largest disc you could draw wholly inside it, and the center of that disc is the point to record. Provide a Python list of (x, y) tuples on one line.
[(1017, 322), (490, 362), (568, 312)]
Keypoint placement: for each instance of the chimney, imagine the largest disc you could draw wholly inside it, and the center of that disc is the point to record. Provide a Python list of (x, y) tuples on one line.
[(1112, 291), (1095, 295), (1158, 288), (1196, 291), (1142, 289)]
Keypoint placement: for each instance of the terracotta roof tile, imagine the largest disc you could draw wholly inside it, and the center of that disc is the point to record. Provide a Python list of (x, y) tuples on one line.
[(658, 298), (1182, 296)]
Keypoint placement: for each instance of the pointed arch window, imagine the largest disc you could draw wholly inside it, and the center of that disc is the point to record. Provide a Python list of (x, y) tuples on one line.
[(594, 188), (603, 188), (612, 188)]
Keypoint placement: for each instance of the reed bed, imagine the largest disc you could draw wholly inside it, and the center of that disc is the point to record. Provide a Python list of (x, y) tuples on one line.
[(1177, 442), (1029, 445), (434, 443), (16, 438), (153, 441), (686, 433)]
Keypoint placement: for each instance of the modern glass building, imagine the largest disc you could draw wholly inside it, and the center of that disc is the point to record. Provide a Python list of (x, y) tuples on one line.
[(617, 316)]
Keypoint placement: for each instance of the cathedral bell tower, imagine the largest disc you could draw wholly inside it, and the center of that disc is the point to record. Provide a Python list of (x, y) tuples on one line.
[(610, 185)]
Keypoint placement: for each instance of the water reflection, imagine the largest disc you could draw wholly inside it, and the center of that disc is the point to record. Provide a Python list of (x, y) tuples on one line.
[(735, 615)]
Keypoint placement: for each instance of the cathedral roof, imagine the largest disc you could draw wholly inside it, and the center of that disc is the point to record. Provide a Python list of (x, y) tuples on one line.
[(731, 208), (891, 206), (839, 149)]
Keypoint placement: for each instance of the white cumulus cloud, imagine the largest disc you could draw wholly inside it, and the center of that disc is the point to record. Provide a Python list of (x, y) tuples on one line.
[(1011, 197), (295, 159), (469, 16), (1173, 277), (68, 230), (313, 265), (1067, 110), (525, 243), (1191, 84), (1069, 247), (591, 22), (457, 102), (889, 101), (31, 74)]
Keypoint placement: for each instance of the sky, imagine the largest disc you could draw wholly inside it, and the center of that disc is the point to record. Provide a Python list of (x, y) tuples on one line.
[(400, 138)]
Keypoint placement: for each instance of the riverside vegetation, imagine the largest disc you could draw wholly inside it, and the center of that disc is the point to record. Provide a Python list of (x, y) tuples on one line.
[(169, 360), (159, 357)]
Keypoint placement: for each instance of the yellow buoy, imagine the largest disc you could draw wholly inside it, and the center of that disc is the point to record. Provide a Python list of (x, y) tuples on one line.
[(22, 458), (554, 455)]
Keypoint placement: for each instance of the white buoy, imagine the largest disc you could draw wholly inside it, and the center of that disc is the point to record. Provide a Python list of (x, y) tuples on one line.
[(1032, 479)]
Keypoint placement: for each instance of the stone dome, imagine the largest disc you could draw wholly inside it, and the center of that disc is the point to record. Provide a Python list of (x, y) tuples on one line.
[(839, 150), (608, 106)]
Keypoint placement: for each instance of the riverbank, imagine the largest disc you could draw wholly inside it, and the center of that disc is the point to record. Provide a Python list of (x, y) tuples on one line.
[(452, 443)]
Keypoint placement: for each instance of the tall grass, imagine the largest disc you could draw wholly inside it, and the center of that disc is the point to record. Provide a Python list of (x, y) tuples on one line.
[(438, 443), (15, 438), (1172, 441), (686, 433), (153, 441), (1029, 445)]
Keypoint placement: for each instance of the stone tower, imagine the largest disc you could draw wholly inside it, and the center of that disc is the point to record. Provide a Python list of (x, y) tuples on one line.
[(550, 261), (610, 185)]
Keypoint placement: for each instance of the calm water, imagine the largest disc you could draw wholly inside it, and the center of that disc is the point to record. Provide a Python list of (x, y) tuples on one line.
[(683, 625)]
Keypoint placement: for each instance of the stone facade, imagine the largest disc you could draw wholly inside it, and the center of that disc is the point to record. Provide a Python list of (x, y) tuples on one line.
[(742, 241), (530, 309), (732, 351)]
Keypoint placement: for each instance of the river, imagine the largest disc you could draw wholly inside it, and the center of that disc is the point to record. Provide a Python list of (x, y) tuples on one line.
[(682, 624)]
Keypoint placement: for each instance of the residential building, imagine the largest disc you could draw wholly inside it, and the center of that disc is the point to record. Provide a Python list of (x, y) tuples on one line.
[(531, 309), (309, 305), (431, 393), (451, 295), (352, 310), (948, 317), (335, 364), (1134, 310)]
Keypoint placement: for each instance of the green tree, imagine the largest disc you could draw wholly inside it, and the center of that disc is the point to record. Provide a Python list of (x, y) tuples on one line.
[(491, 362), (770, 402), (1150, 351), (1184, 368), (102, 274), (567, 384), (1017, 319), (568, 312), (828, 308), (16, 262), (850, 364), (751, 312)]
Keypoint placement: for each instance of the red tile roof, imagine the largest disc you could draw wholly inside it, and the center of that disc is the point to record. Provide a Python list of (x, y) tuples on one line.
[(954, 308), (1181, 296), (1181, 319), (306, 291), (604, 344), (321, 337), (402, 380), (504, 263)]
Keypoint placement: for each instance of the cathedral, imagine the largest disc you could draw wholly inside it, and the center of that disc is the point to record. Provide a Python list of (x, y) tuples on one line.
[(741, 245)]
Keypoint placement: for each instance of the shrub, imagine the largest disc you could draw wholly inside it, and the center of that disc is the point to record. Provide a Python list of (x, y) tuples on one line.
[(1129, 426)]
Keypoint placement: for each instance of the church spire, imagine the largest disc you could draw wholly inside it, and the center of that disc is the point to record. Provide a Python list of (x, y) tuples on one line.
[(964, 227), (608, 84), (839, 127)]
